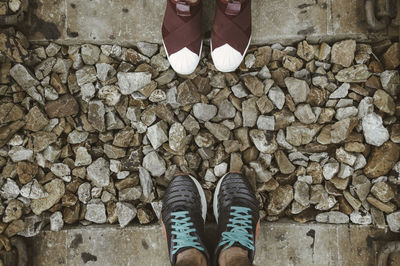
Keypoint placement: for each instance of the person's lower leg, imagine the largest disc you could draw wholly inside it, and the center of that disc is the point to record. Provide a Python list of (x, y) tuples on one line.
[(191, 257), (234, 256)]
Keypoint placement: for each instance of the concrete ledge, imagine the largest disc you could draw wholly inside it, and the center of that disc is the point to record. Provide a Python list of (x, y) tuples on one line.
[(128, 21), (283, 243)]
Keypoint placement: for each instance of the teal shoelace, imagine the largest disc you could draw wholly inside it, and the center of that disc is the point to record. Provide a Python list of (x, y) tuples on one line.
[(240, 224), (182, 228)]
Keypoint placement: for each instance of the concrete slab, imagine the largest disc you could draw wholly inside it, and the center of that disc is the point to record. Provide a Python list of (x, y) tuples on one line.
[(127, 22), (283, 243)]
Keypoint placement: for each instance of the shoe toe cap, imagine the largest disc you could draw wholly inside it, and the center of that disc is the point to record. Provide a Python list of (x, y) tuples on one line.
[(226, 58), (184, 61)]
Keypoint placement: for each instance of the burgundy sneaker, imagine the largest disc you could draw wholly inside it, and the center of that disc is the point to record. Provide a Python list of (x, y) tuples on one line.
[(231, 33), (182, 36)]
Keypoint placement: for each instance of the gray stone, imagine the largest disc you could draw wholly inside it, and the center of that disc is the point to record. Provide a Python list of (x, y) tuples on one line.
[(148, 49), (157, 135), (90, 54), (82, 157), (19, 153), (298, 89), (266, 122), (131, 82), (87, 74), (99, 172), (304, 114), (239, 90), (177, 137), (23, 77), (130, 194), (96, 114), (302, 193), (265, 142), (332, 217), (204, 112), (340, 92), (110, 95), (157, 96), (87, 91), (76, 136), (330, 169), (374, 131), (219, 131), (10, 189), (60, 170), (346, 112), (226, 110), (56, 221), (277, 96), (358, 217), (345, 171), (84, 194), (154, 163), (390, 80), (126, 212), (105, 71), (44, 68), (145, 182), (250, 112), (33, 190), (221, 169), (393, 221), (96, 211)]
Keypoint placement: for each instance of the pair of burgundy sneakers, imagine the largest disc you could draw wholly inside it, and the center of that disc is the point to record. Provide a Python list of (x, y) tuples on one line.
[(230, 37)]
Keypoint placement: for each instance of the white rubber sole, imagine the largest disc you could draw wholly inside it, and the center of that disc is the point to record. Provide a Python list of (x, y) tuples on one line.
[(202, 198), (223, 56), (215, 200), (190, 67)]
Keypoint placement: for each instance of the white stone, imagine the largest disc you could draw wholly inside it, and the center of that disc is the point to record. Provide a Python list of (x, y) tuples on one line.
[(358, 217), (82, 157), (298, 89), (10, 189), (145, 182), (330, 170), (96, 211), (157, 135), (19, 153), (393, 221), (266, 122), (340, 92), (60, 169), (33, 190), (131, 82), (277, 96), (204, 112), (126, 212), (84, 192), (99, 172), (332, 217), (56, 221), (220, 169), (154, 163), (374, 131)]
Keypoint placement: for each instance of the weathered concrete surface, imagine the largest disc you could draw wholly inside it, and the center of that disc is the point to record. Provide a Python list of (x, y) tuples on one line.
[(282, 243), (128, 21)]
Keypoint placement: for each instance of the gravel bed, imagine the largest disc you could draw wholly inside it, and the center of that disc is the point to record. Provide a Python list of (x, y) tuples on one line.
[(93, 134)]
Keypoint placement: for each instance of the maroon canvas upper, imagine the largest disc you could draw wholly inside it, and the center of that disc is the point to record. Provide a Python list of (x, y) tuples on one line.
[(182, 26), (232, 26)]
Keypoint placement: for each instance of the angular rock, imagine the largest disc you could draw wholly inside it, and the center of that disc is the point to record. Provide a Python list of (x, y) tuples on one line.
[(96, 211), (62, 107), (56, 221), (99, 172), (264, 141), (204, 112), (126, 212), (384, 102), (298, 89), (145, 182), (280, 199), (382, 191), (374, 131), (154, 163), (249, 112), (177, 137), (96, 114), (130, 82), (393, 221), (157, 134), (219, 131), (55, 190), (332, 217), (358, 73), (343, 53)]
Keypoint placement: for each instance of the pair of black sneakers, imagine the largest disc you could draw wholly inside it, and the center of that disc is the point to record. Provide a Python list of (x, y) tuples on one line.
[(235, 209)]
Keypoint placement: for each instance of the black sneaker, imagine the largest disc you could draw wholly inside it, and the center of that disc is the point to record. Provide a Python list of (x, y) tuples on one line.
[(237, 214), (183, 216)]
